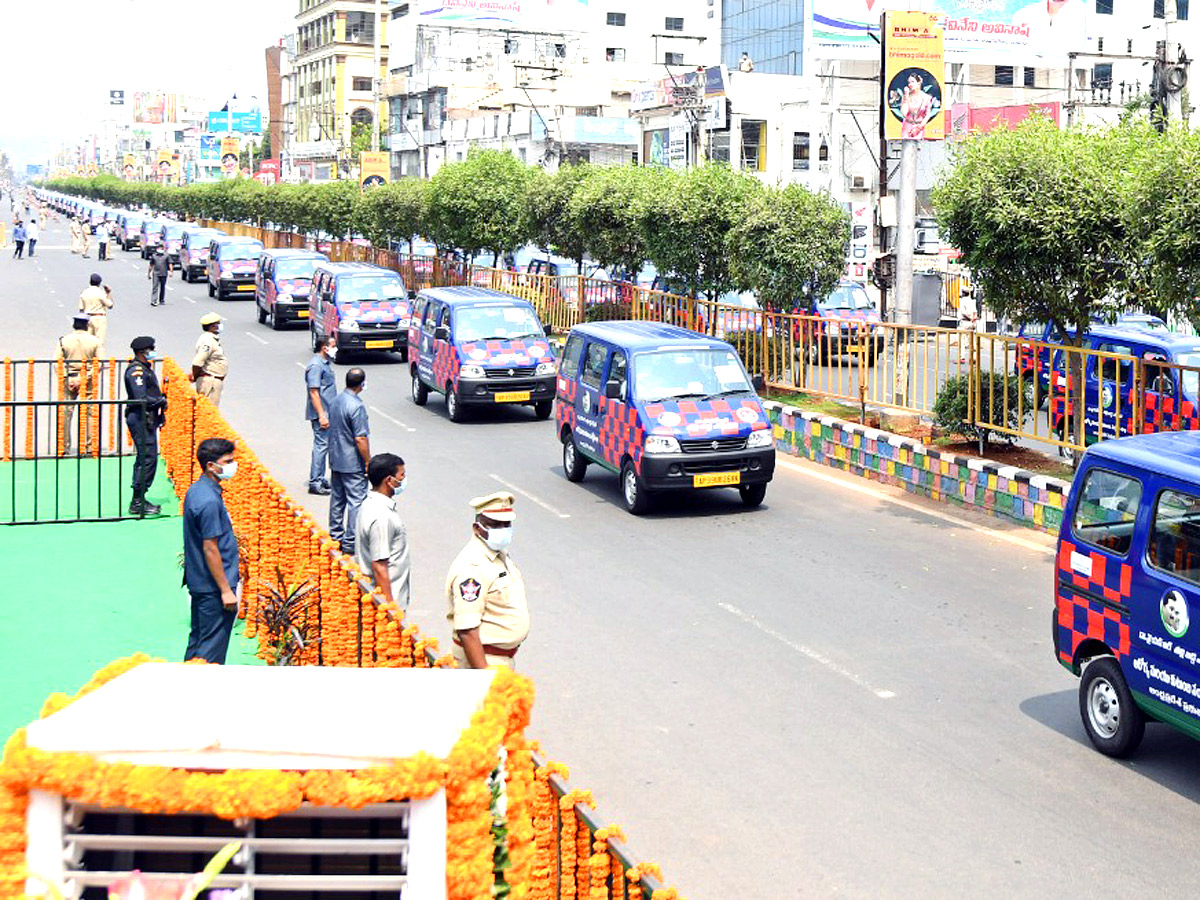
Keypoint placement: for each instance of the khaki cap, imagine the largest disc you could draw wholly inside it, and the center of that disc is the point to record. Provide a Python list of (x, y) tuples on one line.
[(209, 319), (498, 506)]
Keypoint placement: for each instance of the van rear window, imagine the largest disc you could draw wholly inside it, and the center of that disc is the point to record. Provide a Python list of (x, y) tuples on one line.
[(1175, 535), (1104, 514)]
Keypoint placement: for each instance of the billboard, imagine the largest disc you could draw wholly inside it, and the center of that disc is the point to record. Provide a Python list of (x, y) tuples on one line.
[(268, 171), (914, 67), (1013, 29), (129, 166), (241, 122), (654, 147), (149, 107), (165, 168), (966, 119), (210, 148), (374, 168), (541, 16), (231, 155)]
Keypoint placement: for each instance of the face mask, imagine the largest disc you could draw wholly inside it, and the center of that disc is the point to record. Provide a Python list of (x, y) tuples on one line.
[(499, 538), (220, 327), (400, 487), (153, 355), (224, 473), (330, 350)]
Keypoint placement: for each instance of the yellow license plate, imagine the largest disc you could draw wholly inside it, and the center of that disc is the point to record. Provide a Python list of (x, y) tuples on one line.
[(379, 345), (302, 314), (512, 396), (715, 479), (245, 287), (854, 348)]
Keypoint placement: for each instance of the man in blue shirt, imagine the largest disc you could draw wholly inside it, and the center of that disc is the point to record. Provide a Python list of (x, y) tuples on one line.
[(349, 453), (320, 393), (210, 554)]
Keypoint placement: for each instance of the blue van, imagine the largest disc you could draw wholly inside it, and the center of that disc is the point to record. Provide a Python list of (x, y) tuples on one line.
[(666, 408), (360, 305), (479, 347), (1126, 581)]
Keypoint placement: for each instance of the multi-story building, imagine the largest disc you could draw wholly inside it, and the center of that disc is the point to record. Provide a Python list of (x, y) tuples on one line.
[(337, 78)]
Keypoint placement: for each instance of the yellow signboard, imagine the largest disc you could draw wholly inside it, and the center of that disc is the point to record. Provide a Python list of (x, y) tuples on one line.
[(374, 168), (914, 69), (166, 164), (231, 155), (129, 168)]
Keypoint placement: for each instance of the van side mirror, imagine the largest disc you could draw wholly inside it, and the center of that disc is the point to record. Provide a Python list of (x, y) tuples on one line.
[(758, 383), (548, 329), (612, 389), (441, 333), (412, 295)]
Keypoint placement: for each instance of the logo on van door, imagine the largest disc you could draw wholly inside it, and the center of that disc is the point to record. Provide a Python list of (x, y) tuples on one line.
[(1174, 612), (1106, 396)]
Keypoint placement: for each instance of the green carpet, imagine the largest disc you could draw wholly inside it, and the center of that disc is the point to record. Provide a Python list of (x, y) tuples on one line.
[(70, 488), (77, 596)]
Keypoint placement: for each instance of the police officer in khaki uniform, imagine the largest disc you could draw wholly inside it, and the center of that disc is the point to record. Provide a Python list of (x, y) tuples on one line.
[(75, 348), (95, 302), (486, 593), (209, 366)]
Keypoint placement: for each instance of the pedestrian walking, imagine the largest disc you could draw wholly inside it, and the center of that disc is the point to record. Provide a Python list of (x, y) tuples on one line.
[(85, 230), (488, 613), (32, 233), (380, 538), (210, 554), (102, 237), (157, 271), (18, 239), (95, 302), (349, 453), (75, 348), (143, 421), (209, 366), (321, 389), (76, 236)]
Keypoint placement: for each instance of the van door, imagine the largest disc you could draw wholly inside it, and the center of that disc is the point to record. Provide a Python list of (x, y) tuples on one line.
[(428, 348), (1166, 594), (620, 432), (588, 413), (314, 303), (567, 383), (1108, 392), (262, 276)]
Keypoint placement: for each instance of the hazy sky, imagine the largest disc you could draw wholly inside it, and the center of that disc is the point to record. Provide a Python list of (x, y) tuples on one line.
[(61, 58)]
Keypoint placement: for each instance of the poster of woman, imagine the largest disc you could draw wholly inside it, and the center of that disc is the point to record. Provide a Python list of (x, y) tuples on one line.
[(914, 97)]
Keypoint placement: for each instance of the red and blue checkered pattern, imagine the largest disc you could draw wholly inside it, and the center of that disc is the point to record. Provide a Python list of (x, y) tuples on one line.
[(297, 287), (387, 310), (621, 433), (445, 364), (705, 418), (505, 353), (1081, 617), (564, 414), (1168, 413)]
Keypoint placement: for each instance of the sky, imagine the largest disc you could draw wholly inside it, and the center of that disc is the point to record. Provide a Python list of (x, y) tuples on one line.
[(62, 57)]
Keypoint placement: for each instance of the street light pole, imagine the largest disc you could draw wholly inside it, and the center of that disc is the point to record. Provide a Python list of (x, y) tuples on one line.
[(375, 74)]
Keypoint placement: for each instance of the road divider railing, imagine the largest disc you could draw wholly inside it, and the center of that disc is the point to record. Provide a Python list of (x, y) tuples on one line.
[(348, 622)]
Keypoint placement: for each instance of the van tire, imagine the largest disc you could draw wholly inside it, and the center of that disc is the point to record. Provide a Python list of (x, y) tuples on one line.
[(542, 409), (752, 494), (633, 492), (454, 407), (574, 465), (1113, 722), (420, 393)]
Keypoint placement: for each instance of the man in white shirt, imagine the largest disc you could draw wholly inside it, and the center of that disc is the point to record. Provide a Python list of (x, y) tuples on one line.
[(380, 537)]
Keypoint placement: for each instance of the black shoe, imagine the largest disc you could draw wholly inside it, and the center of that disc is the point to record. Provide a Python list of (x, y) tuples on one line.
[(137, 507), (151, 509), (320, 490)]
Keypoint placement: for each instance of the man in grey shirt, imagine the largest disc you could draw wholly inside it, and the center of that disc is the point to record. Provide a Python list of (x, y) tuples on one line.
[(320, 391), (349, 453), (381, 540)]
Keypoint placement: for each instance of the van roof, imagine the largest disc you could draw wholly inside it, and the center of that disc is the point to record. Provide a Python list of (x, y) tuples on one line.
[(1142, 335), (1173, 453), (284, 252), (644, 335), (338, 269), (466, 296)]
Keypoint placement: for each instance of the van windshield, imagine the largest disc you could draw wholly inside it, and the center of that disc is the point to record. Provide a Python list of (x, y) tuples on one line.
[(700, 374), (847, 296), (366, 288), (1190, 377), (496, 323), (241, 251), (295, 268)]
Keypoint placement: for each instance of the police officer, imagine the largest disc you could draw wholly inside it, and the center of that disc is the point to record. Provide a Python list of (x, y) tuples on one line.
[(486, 593), (95, 302), (209, 366), (144, 421), (76, 348)]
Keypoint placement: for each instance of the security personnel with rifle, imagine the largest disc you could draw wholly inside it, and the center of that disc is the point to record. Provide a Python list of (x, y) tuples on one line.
[(143, 421)]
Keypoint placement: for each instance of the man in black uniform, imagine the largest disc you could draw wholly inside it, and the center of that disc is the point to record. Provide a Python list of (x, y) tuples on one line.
[(143, 422)]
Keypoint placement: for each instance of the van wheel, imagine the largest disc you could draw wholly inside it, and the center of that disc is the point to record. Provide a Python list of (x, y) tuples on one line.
[(273, 318), (574, 465), (454, 407), (1067, 453), (542, 409), (633, 492), (339, 355), (312, 336), (752, 494), (420, 393), (1113, 722)]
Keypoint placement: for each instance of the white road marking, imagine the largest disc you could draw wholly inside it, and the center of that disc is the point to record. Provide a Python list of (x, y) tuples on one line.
[(937, 514), (380, 412), (812, 654), (190, 300), (256, 337), (303, 366), (528, 496)]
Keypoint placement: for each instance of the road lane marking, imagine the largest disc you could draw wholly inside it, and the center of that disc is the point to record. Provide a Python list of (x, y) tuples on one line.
[(937, 514), (528, 496), (256, 337), (190, 300), (378, 411), (814, 655)]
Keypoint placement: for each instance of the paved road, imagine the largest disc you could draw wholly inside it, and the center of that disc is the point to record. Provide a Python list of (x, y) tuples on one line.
[(836, 694)]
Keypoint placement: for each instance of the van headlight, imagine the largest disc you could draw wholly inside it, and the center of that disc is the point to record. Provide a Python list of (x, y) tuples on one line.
[(661, 443), (759, 439), (470, 370), (546, 368), (348, 325), (833, 328)]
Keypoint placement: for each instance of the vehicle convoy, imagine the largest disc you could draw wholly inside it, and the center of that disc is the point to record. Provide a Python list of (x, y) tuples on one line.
[(361, 306), (232, 262), (129, 227), (193, 251), (665, 408), (479, 347), (172, 237), (151, 236), (281, 285), (1127, 581)]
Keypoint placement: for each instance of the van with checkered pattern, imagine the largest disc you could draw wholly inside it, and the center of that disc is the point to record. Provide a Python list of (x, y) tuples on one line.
[(1127, 578)]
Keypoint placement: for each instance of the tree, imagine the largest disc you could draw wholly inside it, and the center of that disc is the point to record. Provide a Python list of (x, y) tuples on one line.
[(554, 223), (789, 243), (335, 207), (607, 205), (479, 204), (685, 228), (393, 212)]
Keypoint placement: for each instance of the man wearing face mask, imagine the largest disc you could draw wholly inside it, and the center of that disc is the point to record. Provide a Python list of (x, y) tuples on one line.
[(349, 453), (143, 420), (321, 389), (486, 593), (210, 554), (380, 538), (209, 366)]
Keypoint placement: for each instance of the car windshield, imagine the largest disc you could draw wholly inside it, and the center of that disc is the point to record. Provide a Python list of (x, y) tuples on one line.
[(295, 268), (847, 296), (241, 252), (496, 323), (361, 288), (698, 374), (173, 231), (1190, 378)]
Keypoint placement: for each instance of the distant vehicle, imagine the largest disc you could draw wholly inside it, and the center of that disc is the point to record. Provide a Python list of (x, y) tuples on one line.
[(172, 235), (282, 284), (232, 262), (193, 251), (129, 230), (361, 306), (845, 321), (151, 236)]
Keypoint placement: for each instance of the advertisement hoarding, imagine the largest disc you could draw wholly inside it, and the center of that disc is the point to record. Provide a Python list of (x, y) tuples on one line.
[(268, 171), (129, 166), (914, 67), (210, 148), (374, 168), (966, 119), (542, 15), (240, 122), (231, 155)]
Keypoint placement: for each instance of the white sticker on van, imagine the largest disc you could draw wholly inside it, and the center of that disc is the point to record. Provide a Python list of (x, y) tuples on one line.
[(1082, 564)]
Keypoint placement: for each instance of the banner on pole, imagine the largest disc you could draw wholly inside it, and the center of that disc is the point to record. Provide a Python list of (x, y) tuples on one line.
[(914, 68), (374, 168)]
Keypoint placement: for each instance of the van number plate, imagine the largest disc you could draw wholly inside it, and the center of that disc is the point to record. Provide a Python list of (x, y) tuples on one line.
[(378, 345), (716, 479), (302, 314), (512, 396)]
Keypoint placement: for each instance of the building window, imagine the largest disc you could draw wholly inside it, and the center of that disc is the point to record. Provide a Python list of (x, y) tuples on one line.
[(673, 59), (800, 151), (1030, 74), (1160, 9), (361, 116), (614, 54), (400, 11), (754, 145), (1004, 75), (1102, 76), (1104, 7), (361, 84), (617, 19), (511, 47), (560, 51), (673, 23)]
